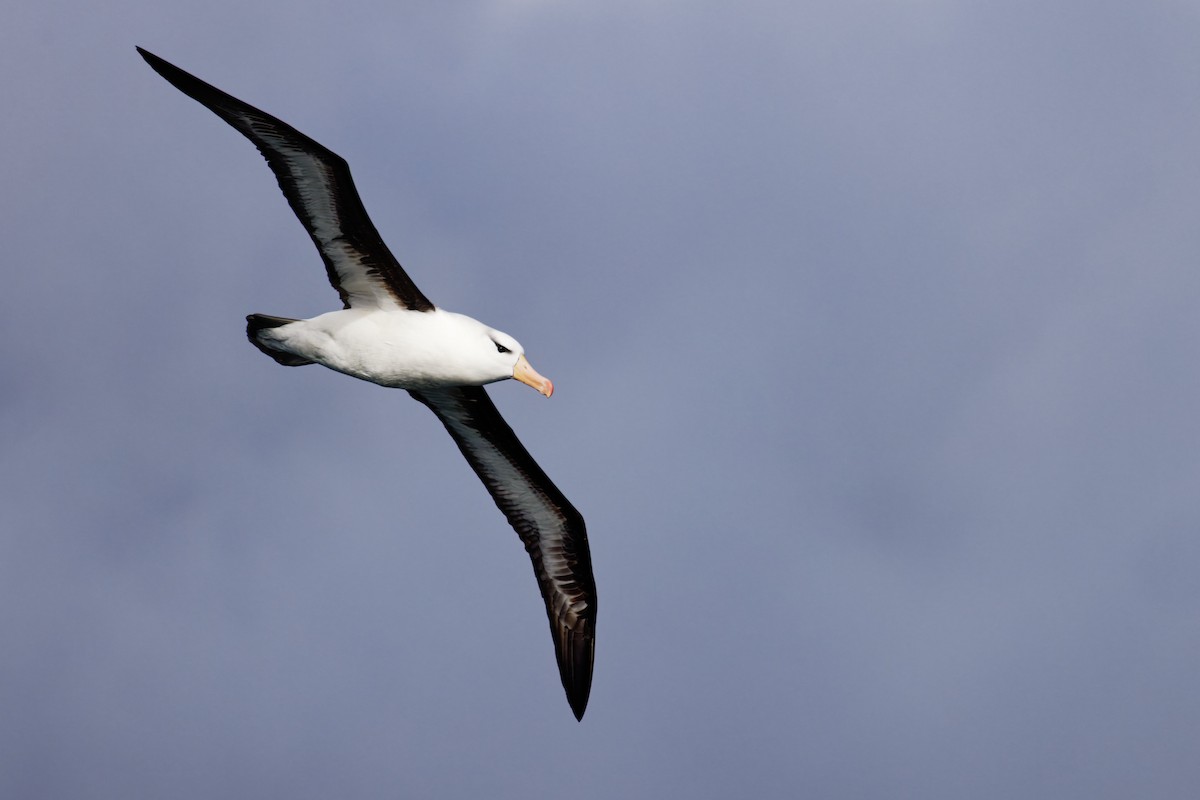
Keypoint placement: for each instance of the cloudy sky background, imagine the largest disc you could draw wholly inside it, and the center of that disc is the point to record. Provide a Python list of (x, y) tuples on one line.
[(875, 331)]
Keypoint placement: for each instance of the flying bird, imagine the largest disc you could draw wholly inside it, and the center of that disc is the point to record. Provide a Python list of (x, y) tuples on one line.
[(389, 333)]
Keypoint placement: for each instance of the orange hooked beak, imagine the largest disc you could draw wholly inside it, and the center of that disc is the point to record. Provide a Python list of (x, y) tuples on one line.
[(528, 376)]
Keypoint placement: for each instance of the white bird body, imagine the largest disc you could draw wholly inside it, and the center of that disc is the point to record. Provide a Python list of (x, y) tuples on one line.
[(401, 349)]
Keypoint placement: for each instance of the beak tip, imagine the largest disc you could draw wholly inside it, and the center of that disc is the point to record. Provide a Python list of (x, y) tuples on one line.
[(528, 376)]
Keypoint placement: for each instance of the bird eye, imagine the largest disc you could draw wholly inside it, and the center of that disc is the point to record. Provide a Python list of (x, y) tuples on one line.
[(501, 348)]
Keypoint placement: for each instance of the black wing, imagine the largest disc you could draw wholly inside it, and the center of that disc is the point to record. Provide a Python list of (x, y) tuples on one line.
[(551, 528), (317, 184)]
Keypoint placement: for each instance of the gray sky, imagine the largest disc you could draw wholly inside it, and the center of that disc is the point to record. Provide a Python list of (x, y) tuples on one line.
[(874, 327)]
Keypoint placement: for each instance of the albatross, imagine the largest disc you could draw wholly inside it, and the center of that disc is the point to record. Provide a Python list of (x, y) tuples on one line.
[(389, 333)]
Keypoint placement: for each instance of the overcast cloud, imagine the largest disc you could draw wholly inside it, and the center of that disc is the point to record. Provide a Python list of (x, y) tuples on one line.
[(874, 328)]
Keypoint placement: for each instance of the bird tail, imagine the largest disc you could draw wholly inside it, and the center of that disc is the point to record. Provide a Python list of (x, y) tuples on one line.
[(260, 322)]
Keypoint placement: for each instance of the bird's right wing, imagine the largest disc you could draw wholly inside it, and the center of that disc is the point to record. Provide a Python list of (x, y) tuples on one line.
[(317, 184)]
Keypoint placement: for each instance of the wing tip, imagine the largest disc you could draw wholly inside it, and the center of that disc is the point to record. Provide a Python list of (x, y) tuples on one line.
[(578, 706), (576, 656), (156, 62), (182, 80)]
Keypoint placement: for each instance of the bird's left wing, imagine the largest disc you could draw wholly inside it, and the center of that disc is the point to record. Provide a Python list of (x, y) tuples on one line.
[(551, 529)]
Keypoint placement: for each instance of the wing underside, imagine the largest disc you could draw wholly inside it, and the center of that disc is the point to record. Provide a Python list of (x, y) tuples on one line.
[(317, 184), (551, 529)]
